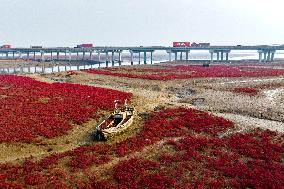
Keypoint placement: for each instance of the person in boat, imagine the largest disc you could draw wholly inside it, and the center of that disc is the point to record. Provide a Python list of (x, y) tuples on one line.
[(127, 109), (116, 109), (126, 105), (118, 116)]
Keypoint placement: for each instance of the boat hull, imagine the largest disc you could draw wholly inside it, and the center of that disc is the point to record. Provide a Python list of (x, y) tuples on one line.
[(112, 129)]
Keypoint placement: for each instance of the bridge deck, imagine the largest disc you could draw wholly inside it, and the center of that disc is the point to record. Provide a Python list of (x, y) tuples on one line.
[(141, 49)]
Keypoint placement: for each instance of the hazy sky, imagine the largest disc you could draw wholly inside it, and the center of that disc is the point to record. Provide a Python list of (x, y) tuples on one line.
[(140, 22)]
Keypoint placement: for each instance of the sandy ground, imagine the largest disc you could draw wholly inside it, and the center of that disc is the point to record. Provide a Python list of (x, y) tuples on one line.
[(265, 110)]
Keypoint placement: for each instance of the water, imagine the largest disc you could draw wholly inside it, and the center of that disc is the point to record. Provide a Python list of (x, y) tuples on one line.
[(158, 57), (205, 55), (54, 69)]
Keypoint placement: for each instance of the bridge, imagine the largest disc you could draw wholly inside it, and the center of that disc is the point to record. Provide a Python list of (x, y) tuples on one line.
[(266, 52)]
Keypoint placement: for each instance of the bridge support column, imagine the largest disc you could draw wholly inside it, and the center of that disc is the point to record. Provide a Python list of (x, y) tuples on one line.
[(170, 56), (99, 57), (151, 57), (176, 57), (70, 56), (13, 55), (51, 56), (119, 58), (272, 56), (145, 57), (20, 55), (7, 55), (226, 52), (265, 57), (107, 59), (259, 56), (57, 55), (91, 54), (28, 56), (219, 52), (34, 55), (180, 58), (218, 57), (222, 56), (42, 56), (131, 57), (66, 58), (186, 56), (77, 56), (268, 56), (227, 56), (139, 57), (112, 58), (84, 53)]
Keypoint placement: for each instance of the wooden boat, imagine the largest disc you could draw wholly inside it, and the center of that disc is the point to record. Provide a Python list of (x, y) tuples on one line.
[(116, 123)]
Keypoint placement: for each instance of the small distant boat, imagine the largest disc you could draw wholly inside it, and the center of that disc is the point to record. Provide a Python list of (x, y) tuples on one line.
[(115, 123)]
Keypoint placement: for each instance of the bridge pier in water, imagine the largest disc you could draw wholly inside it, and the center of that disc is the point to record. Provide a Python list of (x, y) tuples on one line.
[(131, 57), (220, 53), (99, 56), (180, 54), (70, 56), (266, 55), (42, 56), (170, 55), (84, 53), (113, 56), (119, 57), (132, 52), (107, 58)]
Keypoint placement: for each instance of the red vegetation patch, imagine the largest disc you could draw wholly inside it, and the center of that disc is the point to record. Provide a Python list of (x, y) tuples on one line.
[(188, 71), (246, 90), (173, 123), (30, 108), (245, 160), (250, 160)]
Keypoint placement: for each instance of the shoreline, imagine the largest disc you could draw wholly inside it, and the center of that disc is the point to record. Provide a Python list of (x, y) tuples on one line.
[(19, 65)]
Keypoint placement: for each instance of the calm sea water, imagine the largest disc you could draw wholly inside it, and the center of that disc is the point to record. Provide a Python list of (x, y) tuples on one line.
[(157, 58)]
